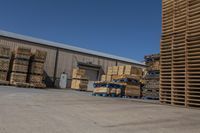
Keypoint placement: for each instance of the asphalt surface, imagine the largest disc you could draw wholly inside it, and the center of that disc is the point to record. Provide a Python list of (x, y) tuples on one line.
[(25, 110)]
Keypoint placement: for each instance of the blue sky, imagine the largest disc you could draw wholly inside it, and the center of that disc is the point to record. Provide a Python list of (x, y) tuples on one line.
[(128, 28)]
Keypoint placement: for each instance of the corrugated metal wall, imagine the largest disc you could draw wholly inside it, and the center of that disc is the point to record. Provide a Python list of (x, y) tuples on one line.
[(67, 60)]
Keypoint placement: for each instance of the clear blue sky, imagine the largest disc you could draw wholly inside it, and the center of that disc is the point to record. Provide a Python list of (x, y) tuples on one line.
[(128, 28)]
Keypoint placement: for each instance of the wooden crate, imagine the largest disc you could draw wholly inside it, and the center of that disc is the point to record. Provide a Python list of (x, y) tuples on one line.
[(40, 55), (78, 73), (22, 53), (3, 75), (129, 70), (132, 91), (79, 84), (20, 68), (37, 68), (101, 90), (108, 78), (4, 64), (5, 52), (110, 71), (103, 77), (121, 70), (35, 78), (115, 70), (21, 62), (38, 85), (18, 77)]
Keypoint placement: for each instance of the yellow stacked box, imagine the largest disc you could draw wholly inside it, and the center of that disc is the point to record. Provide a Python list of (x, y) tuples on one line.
[(121, 70), (115, 70)]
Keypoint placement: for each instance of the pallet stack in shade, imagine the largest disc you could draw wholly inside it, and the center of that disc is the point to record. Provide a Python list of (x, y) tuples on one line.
[(20, 66), (36, 69), (180, 52), (5, 56), (151, 78)]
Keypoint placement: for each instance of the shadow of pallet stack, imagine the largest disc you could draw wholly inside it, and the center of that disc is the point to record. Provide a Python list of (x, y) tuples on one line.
[(5, 56), (20, 66), (36, 69)]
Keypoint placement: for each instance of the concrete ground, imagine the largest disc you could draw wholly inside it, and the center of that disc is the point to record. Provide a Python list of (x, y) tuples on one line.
[(66, 111)]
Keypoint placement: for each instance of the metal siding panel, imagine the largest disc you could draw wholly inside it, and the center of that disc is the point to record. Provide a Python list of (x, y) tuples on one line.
[(65, 63)]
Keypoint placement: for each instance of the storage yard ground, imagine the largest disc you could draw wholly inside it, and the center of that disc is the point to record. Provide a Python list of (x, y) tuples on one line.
[(25, 110)]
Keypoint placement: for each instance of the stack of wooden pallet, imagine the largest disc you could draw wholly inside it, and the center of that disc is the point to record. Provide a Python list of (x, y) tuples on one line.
[(20, 66), (108, 89), (36, 69), (5, 55), (79, 80), (151, 78), (180, 43), (122, 86), (121, 70)]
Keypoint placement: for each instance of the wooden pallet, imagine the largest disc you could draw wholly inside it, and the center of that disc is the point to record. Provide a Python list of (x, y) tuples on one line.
[(39, 56), (18, 77), (4, 64), (20, 68), (5, 52), (4, 82), (21, 84), (3, 75)]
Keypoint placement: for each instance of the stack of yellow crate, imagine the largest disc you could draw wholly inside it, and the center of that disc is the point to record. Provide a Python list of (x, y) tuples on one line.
[(79, 80), (121, 70)]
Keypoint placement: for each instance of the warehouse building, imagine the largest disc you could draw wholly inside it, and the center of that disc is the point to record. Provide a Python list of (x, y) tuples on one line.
[(63, 58)]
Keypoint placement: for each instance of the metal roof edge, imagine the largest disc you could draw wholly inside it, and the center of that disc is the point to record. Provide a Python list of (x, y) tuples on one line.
[(65, 46)]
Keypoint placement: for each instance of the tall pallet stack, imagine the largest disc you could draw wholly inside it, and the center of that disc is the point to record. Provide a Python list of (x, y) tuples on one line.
[(5, 55), (20, 66), (180, 53), (36, 69)]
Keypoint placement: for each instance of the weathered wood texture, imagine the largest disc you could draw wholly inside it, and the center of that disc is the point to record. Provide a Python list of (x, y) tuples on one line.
[(18, 77), (5, 52), (4, 64), (3, 75), (180, 52)]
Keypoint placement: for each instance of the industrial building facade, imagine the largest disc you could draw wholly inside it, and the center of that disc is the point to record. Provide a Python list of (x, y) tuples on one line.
[(63, 58)]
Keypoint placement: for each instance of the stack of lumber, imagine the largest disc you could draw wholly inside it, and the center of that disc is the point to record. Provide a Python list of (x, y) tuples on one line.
[(151, 78), (121, 70), (180, 52), (79, 80), (123, 86), (20, 65), (36, 70), (5, 56), (108, 89)]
